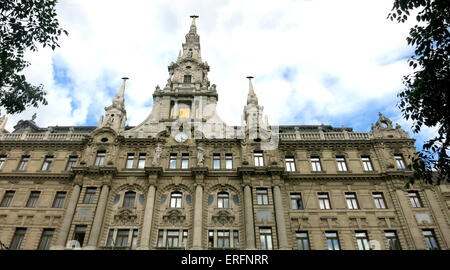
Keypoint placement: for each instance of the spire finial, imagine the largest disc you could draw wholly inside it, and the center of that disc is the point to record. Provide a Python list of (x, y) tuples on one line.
[(252, 98), (193, 26), (121, 92)]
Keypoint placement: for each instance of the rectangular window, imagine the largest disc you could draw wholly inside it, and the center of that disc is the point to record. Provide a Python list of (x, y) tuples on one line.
[(173, 161), (100, 158), (58, 202), (262, 196), (184, 161), (175, 199), (265, 235), (341, 164), (324, 200), (23, 163), (134, 239), (223, 239), (18, 237), (352, 202), (122, 238), (129, 199), (110, 239), (302, 240), (141, 161), (185, 238), (2, 161), (47, 163), (79, 234), (332, 240), (160, 238), (89, 196), (290, 164), (430, 239), (296, 201), (187, 78), (33, 199), (172, 238), (216, 161), (367, 164), (71, 163), (315, 163), (392, 240), (400, 162), (415, 199), (210, 238), (130, 161), (223, 200), (229, 161), (46, 239), (259, 158), (236, 239), (7, 198), (362, 240), (378, 198)]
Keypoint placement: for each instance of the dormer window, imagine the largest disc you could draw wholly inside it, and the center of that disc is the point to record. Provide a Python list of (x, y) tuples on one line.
[(187, 78)]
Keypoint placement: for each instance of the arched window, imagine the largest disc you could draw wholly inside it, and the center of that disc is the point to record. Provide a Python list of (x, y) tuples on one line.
[(129, 199), (175, 199), (223, 199)]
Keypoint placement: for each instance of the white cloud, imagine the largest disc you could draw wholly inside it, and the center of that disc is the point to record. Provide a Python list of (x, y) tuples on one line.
[(342, 55)]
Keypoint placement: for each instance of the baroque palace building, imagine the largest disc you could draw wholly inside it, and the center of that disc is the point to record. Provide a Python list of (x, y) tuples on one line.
[(183, 179)]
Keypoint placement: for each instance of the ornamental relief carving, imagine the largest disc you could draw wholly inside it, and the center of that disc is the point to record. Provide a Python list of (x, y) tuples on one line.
[(174, 217), (223, 217), (125, 216)]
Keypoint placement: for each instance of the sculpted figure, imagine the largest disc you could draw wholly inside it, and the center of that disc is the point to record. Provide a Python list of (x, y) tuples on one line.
[(157, 155), (200, 155)]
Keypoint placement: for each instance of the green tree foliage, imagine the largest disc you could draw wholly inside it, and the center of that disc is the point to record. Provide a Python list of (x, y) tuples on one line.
[(425, 98), (24, 24)]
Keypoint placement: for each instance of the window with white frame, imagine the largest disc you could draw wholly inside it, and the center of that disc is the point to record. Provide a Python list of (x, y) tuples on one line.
[(362, 240), (265, 235), (315, 163), (259, 158), (175, 199), (324, 200), (352, 202), (228, 161), (400, 161), (290, 164), (216, 161), (341, 164), (141, 161), (71, 163), (379, 201), (130, 161), (100, 158), (223, 200), (367, 163)]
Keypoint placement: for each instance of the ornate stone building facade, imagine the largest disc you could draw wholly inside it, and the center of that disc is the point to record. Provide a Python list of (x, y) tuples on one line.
[(183, 179)]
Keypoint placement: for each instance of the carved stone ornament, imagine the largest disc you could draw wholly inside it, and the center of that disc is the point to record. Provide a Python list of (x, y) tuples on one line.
[(174, 217), (383, 120), (223, 217), (125, 216)]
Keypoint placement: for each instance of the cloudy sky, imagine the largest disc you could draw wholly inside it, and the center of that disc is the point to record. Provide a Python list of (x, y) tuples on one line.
[(316, 61)]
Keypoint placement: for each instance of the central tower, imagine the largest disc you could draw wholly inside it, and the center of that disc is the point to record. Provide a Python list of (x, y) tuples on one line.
[(188, 95)]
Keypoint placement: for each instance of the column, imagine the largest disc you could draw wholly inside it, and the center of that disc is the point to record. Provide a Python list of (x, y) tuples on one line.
[(441, 219), (98, 219), (197, 243), (249, 225), (67, 221), (411, 223), (175, 110), (279, 216), (148, 217)]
